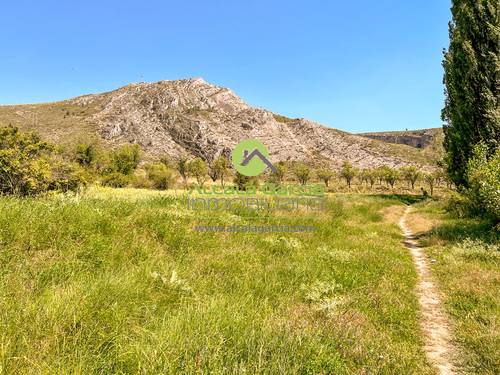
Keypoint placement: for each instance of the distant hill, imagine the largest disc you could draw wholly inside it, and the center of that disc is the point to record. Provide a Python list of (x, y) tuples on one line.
[(191, 115), (414, 138)]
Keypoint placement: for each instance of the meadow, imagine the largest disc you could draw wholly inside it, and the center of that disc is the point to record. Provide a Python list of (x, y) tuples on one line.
[(117, 281)]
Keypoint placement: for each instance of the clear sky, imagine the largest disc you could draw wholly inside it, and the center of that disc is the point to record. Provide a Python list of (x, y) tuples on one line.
[(357, 66)]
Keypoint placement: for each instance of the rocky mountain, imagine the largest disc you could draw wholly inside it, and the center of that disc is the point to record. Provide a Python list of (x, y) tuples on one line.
[(415, 138), (191, 115)]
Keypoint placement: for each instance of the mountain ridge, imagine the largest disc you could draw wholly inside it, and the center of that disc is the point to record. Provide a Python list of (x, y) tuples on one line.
[(191, 115)]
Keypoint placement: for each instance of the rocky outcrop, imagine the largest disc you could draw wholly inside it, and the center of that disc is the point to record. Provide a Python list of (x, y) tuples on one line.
[(412, 138), (191, 115)]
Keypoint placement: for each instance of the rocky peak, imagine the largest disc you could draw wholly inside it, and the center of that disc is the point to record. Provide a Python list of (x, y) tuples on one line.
[(191, 115)]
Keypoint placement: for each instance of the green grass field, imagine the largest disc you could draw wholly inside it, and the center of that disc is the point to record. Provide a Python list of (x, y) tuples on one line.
[(119, 282)]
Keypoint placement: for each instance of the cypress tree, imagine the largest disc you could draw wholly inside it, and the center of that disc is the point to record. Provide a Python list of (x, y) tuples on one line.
[(472, 80)]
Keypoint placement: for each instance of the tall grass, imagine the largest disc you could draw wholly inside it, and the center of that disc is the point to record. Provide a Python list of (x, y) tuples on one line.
[(118, 283)]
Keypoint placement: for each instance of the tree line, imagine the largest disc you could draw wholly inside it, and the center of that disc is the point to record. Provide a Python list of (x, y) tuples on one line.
[(29, 166)]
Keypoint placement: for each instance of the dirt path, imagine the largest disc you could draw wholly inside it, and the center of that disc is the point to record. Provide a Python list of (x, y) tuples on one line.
[(434, 320)]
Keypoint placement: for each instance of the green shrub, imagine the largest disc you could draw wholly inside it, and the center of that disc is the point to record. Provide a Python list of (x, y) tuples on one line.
[(282, 119), (116, 180), (90, 153), (243, 181), (460, 206), (126, 159), (67, 177), (161, 177), (277, 177), (483, 177), (140, 179), (29, 165)]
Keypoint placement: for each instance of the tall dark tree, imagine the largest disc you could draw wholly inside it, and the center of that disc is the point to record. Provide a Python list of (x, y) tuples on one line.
[(472, 79)]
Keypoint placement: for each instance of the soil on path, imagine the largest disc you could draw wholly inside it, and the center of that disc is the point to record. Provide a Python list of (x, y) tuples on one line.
[(434, 322)]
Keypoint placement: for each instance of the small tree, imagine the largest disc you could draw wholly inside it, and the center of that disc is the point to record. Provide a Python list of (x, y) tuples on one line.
[(380, 172), (411, 175), (221, 168), (302, 173), (363, 176), (167, 161), (184, 169), (280, 175), (213, 173), (199, 170), (325, 175), (429, 179), (371, 177), (391, 176), (348, 172), (439, 175)]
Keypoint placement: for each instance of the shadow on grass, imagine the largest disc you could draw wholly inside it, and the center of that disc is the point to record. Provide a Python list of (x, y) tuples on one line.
[(404, 198), (457, 231)]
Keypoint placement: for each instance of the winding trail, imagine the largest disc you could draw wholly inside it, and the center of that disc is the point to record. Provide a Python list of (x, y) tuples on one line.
[(434, 323)]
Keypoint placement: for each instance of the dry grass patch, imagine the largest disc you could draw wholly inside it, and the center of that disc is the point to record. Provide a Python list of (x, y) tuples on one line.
[(420, 223), (393, 213)]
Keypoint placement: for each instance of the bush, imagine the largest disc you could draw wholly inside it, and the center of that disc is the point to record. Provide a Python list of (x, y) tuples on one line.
[(67, 177), (243, 181), (90, 152), (126, 159), (277, 177), (483, 178), (116, 180), (140, 179), (460, 206), (161, 177), (29, 165)]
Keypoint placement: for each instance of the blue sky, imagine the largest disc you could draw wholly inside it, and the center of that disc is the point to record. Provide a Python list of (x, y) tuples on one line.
[(357, 66)]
